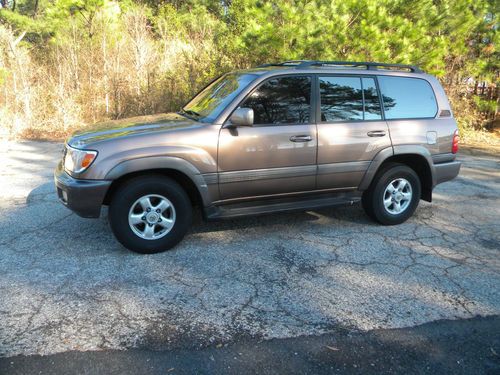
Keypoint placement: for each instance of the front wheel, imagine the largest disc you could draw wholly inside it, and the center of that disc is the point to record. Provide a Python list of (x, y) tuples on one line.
[(150, 214), (393, 196)]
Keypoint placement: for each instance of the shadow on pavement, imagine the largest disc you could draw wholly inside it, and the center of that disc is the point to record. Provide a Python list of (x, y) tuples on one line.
[(445, 347)]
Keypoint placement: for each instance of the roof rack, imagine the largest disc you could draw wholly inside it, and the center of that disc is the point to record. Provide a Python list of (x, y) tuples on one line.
[(301, 64)]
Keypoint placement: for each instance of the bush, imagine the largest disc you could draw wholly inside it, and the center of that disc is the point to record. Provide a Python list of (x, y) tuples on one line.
[(69, 63)]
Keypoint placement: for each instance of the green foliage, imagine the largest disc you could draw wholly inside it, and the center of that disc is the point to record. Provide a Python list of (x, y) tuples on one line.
[(98, 59), (485, 105), (425, 32), (430, 33)]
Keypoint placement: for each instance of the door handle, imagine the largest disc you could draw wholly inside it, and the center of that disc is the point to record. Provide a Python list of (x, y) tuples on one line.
[(376, 133), (300, 138)]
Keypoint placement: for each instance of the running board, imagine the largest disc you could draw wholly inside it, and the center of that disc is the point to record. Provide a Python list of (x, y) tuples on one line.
[(278, 205)]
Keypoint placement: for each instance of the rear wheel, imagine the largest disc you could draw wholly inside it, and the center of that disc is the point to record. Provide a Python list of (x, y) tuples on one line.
[(393, 196), (150, 214)]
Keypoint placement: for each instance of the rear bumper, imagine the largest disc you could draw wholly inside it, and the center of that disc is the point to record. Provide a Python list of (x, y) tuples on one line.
[(84, 197), (446, 171)]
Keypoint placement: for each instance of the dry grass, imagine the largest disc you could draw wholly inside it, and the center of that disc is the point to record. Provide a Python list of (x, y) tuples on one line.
[(485, 140), (123, 70)]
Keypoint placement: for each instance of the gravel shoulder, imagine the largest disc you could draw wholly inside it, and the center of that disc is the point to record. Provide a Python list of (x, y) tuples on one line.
[(67, 285)]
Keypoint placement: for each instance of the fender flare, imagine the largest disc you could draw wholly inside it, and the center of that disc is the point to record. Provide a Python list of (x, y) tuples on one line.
[(163, 162), (388, 152)]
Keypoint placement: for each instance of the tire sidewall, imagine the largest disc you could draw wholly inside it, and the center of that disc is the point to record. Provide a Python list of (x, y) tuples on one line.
[(378, 195), (128, 195)]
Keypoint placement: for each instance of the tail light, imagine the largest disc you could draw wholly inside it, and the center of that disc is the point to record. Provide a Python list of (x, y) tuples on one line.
[(454, 145)]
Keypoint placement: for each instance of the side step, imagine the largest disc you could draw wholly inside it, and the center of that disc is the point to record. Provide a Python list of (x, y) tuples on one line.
[(279, 205)]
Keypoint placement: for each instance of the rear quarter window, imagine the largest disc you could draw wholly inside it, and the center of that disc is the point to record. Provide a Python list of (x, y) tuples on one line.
[(407, 98)]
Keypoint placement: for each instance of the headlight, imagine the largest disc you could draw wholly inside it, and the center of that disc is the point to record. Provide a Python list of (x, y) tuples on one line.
[(77, 161)]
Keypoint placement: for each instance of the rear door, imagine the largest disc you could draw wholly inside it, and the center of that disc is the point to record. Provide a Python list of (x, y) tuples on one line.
[(277, 155), (351, 129), (410, 110)]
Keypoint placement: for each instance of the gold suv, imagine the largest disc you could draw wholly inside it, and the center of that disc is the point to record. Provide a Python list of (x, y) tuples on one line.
[(294, 135)]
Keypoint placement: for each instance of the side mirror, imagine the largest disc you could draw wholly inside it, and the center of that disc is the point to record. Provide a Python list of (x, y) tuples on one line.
[(242, 117)]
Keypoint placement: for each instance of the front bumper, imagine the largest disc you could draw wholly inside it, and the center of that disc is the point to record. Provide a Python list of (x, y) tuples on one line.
[(446, 171), (84, 197)]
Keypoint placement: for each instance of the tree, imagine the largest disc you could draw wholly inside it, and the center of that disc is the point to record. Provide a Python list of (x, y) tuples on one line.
[(95, 59)]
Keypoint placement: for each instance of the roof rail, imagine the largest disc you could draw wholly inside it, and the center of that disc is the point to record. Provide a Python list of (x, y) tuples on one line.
[(301, 64)]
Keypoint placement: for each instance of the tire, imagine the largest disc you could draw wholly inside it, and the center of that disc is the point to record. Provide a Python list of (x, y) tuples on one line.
[(393, 195), (154, 229)]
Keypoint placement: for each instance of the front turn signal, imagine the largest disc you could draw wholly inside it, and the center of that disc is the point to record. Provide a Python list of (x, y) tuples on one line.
[(77, 161)]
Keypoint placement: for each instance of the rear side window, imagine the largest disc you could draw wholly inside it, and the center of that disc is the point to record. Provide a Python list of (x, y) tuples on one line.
[(283, 100), (349, 99), (406, 98), (372, 101)]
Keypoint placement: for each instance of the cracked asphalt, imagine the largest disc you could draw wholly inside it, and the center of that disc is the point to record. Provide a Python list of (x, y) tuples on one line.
[(67, 285)]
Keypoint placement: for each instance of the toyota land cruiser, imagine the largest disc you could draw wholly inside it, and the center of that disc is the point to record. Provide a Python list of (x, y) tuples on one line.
[(287, 136)]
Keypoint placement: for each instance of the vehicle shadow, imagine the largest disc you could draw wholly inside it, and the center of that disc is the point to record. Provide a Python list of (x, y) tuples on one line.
[(344, 213)]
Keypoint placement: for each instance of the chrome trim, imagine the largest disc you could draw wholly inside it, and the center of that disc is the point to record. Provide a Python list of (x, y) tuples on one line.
[(376, 133), (300, 138)]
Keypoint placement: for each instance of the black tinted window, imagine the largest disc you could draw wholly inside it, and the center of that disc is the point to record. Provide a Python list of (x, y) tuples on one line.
[(284, 100), (372, 102), (407, 97), (342, 99)]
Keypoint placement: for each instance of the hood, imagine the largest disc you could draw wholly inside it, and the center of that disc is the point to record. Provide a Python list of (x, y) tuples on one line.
[(105, 131)]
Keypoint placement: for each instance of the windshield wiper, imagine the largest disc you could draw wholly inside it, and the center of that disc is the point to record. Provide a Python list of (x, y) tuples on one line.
[(193, 115)]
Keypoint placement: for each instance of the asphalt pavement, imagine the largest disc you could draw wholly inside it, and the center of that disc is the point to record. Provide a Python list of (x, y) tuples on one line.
[(66, 285), (455, 347)]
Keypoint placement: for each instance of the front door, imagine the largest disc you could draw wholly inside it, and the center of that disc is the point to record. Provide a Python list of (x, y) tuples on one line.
[(277, 155), (351, 130)]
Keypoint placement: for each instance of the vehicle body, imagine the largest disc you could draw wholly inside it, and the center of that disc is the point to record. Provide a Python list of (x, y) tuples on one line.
[(294, 135)]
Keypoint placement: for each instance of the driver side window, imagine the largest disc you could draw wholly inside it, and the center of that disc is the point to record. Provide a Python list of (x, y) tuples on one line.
[(281, 100)]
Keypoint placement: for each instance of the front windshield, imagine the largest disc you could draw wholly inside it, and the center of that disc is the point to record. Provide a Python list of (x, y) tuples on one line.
[(212, 100)]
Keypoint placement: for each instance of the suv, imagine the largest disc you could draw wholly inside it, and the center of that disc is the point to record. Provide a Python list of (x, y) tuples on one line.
[(294, 135)]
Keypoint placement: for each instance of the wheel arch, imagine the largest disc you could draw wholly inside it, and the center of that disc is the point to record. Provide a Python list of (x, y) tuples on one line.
[(181, 171), (416, 157)]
